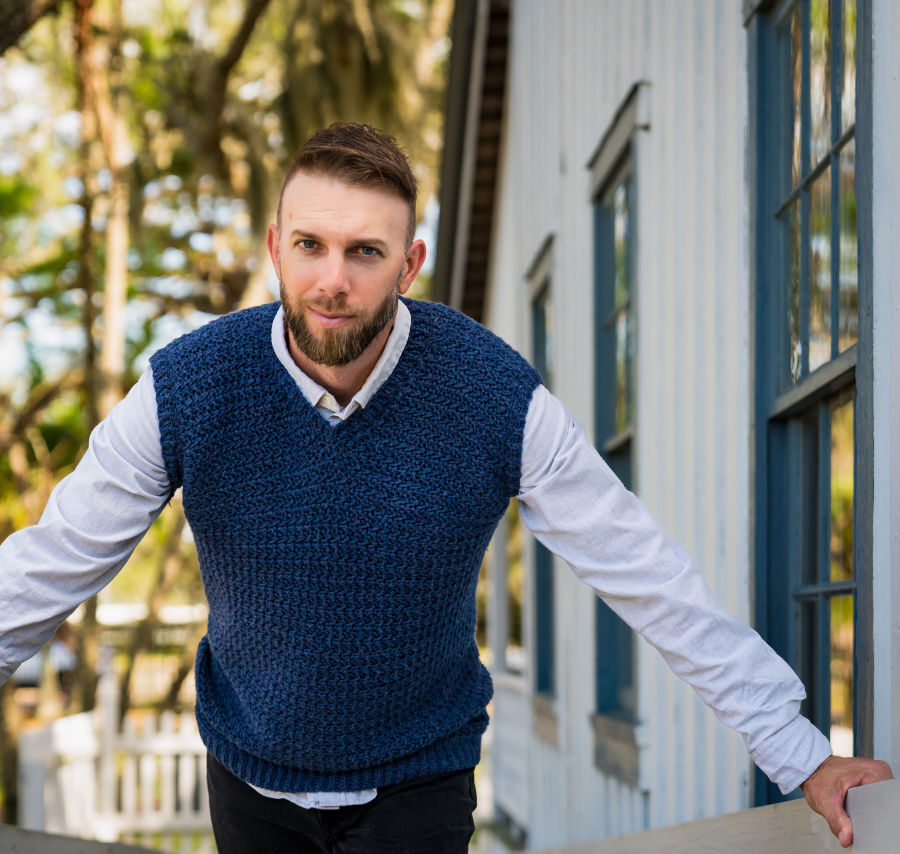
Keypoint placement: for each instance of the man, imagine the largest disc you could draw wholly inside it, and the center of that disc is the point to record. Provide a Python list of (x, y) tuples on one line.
[(344, 459)]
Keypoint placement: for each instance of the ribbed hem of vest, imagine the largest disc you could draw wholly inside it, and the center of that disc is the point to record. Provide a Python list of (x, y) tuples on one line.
[(453, 753)]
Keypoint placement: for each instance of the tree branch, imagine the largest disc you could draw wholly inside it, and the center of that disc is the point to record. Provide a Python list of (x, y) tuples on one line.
[(218, 84), (255, 8), (18, 16), (13, 427)]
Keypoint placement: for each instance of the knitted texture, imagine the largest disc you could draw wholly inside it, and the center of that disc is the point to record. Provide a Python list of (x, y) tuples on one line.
[(340, 563)]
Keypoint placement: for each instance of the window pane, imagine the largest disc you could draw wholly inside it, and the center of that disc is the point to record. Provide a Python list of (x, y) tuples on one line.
[(848, 100), (807, 658), (794, 290), (542, 329), (809, 527), (849, 249), (820, 271), (615, 685), (842, 492), (841, 725), (624, 354), (797, 88), (820, 79), (515, 588), (544, 619), (621, 225)]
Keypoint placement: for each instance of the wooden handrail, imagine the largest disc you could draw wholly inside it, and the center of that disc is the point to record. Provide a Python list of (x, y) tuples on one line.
[(788, 828)]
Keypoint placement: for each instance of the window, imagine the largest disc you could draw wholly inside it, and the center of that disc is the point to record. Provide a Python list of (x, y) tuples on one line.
[(613, 199), (813, 359)]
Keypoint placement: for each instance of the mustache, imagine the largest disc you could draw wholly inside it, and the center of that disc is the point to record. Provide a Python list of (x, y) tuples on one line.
[(337, 305)]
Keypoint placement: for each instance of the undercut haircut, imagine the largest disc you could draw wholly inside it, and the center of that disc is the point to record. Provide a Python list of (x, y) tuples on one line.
[(357, 154)]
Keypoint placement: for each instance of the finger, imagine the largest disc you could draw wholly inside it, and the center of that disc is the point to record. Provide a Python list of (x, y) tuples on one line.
[(839, 822), (877, 771)]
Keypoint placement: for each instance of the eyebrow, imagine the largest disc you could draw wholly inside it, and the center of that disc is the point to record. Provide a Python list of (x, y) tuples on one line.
[(374, 242)]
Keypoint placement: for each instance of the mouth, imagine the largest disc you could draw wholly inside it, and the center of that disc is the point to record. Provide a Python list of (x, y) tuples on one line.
[(330, 320)]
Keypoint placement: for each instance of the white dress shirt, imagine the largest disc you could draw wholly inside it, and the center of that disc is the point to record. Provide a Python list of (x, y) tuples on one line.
[(568, 498)]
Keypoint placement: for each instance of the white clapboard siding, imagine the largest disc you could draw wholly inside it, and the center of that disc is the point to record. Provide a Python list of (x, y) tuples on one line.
[(509, 746), (571, 66)]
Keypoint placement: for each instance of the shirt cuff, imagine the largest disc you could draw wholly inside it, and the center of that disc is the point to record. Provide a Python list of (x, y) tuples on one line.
[(790, 755)]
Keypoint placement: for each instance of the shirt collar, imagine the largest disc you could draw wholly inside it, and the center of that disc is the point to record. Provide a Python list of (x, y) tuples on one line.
[(322, 398)]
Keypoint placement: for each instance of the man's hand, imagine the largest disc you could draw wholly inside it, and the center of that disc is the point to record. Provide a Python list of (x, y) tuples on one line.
[(826, 789)]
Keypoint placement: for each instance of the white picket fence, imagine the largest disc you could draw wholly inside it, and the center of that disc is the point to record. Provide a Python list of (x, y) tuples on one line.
[(81, 776)]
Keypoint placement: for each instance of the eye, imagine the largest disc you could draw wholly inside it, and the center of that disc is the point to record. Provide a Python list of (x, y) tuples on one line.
[(367, 251), (306, 244)]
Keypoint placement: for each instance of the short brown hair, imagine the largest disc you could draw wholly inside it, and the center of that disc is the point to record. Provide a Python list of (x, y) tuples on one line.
[(357, 154)]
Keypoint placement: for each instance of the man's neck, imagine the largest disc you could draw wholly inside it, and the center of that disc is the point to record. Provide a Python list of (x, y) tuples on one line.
[(342, 381)]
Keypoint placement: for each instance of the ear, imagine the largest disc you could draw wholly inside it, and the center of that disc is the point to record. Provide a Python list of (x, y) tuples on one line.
[(274, 243), (415, 258)]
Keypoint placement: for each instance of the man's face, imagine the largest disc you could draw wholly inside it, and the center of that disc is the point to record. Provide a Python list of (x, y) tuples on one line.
[(341, 257)]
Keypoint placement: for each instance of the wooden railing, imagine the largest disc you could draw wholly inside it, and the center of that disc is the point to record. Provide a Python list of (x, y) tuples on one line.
[(789, 828), (82, 776)]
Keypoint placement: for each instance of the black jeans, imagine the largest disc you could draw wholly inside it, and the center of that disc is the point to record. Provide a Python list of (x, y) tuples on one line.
[(429, 815)]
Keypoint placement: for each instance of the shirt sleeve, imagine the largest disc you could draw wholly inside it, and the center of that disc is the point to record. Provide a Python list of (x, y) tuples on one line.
[(575, 505), (93, 520)]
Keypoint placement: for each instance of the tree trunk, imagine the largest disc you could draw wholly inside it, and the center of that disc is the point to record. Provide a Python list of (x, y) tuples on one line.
[(108, 103), (87, 644), (9, 754)]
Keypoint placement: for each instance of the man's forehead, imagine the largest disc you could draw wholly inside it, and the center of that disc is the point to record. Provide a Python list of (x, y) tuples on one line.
[(309, 198), (312, 184)]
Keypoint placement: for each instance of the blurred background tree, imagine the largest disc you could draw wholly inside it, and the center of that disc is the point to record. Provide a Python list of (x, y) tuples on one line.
[(142, 146)]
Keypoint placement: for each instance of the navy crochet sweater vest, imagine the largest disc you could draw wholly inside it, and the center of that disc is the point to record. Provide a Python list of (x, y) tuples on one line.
[(340, 563)]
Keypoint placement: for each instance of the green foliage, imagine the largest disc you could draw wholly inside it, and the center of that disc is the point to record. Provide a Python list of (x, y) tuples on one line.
[(16, 196)]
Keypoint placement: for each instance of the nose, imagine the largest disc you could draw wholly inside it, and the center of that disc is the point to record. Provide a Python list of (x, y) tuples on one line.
[(334, 279)]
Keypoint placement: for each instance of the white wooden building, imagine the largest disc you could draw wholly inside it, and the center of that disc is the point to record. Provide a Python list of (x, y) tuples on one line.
[(685, 212)]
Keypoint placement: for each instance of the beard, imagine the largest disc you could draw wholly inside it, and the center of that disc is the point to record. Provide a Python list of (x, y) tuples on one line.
[(334, 347)]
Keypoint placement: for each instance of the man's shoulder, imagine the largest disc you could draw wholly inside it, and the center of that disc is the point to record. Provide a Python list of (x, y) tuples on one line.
[(452, 328), (455, 344)]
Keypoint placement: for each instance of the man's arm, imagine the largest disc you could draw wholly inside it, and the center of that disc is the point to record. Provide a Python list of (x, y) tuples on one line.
[(576, 506), (94, 519)]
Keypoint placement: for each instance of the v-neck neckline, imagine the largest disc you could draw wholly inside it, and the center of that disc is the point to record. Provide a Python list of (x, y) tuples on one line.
[(376, 401)]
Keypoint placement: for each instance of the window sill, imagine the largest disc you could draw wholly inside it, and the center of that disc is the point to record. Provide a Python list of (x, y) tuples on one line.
[(615, 748)]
